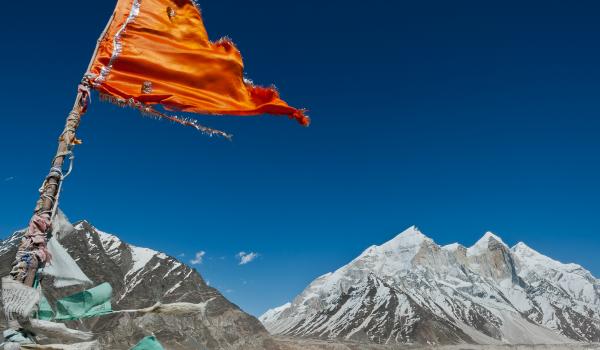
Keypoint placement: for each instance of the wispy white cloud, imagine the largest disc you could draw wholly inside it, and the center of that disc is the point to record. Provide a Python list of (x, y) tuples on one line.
[(182, 255), (198, 258), (246, 258), (10, 178)]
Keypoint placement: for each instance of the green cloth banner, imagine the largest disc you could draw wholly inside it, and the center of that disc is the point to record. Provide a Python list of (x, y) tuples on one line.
[(90, 303), (45, 311), (148, 343)]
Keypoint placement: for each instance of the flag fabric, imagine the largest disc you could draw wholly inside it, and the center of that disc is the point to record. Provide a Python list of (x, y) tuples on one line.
[(157, 52), (89, 303), (148, 343)]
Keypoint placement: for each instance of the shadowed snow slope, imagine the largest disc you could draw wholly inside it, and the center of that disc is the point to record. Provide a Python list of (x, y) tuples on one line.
[(411, 290)]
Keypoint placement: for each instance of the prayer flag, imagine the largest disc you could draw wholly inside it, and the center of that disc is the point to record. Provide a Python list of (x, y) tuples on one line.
[(157, 52)]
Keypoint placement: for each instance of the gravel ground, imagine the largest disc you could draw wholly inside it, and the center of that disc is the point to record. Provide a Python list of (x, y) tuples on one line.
[(310, 344)]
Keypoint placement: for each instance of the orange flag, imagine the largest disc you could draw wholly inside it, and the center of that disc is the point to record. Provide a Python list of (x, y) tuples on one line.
[(157, 52)]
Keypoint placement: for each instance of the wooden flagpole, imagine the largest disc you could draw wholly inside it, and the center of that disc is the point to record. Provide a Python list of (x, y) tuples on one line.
[(49, 192), (25, 269)]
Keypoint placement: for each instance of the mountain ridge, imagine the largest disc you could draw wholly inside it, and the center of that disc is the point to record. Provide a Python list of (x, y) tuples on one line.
[(488, 293), (140, 278)]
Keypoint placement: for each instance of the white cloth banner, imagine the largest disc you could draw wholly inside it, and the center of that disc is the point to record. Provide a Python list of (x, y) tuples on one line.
[(62, 267)]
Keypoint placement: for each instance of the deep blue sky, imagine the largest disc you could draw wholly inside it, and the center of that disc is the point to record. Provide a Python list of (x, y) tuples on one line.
[(459, 117)]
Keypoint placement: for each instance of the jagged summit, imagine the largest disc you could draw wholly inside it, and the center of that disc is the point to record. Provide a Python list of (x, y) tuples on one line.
[(524, 251), (483, 244), (530, 256), (490, 235), (412, 236)]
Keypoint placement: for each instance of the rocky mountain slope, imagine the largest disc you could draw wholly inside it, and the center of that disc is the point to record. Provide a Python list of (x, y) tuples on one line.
[(140, 277), (411, 290)]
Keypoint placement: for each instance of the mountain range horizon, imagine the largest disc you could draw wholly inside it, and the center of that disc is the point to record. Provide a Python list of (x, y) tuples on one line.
[(486, 235), (412, 290), (412, 229), (407, 290)]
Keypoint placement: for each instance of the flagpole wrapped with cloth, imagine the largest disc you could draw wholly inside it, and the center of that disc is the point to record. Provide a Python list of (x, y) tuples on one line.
[(154, 56)]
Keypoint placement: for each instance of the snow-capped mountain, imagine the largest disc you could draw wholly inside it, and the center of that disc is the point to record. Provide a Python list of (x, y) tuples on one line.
[(411, 290), (141, 277)]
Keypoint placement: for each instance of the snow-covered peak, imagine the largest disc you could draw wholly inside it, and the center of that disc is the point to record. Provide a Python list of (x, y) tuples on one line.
[(387, 259), (490, 235), (532, 258), (403, 247), (570, 278), (522, 249), (410, 237), (482, 244), (393, 255)]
